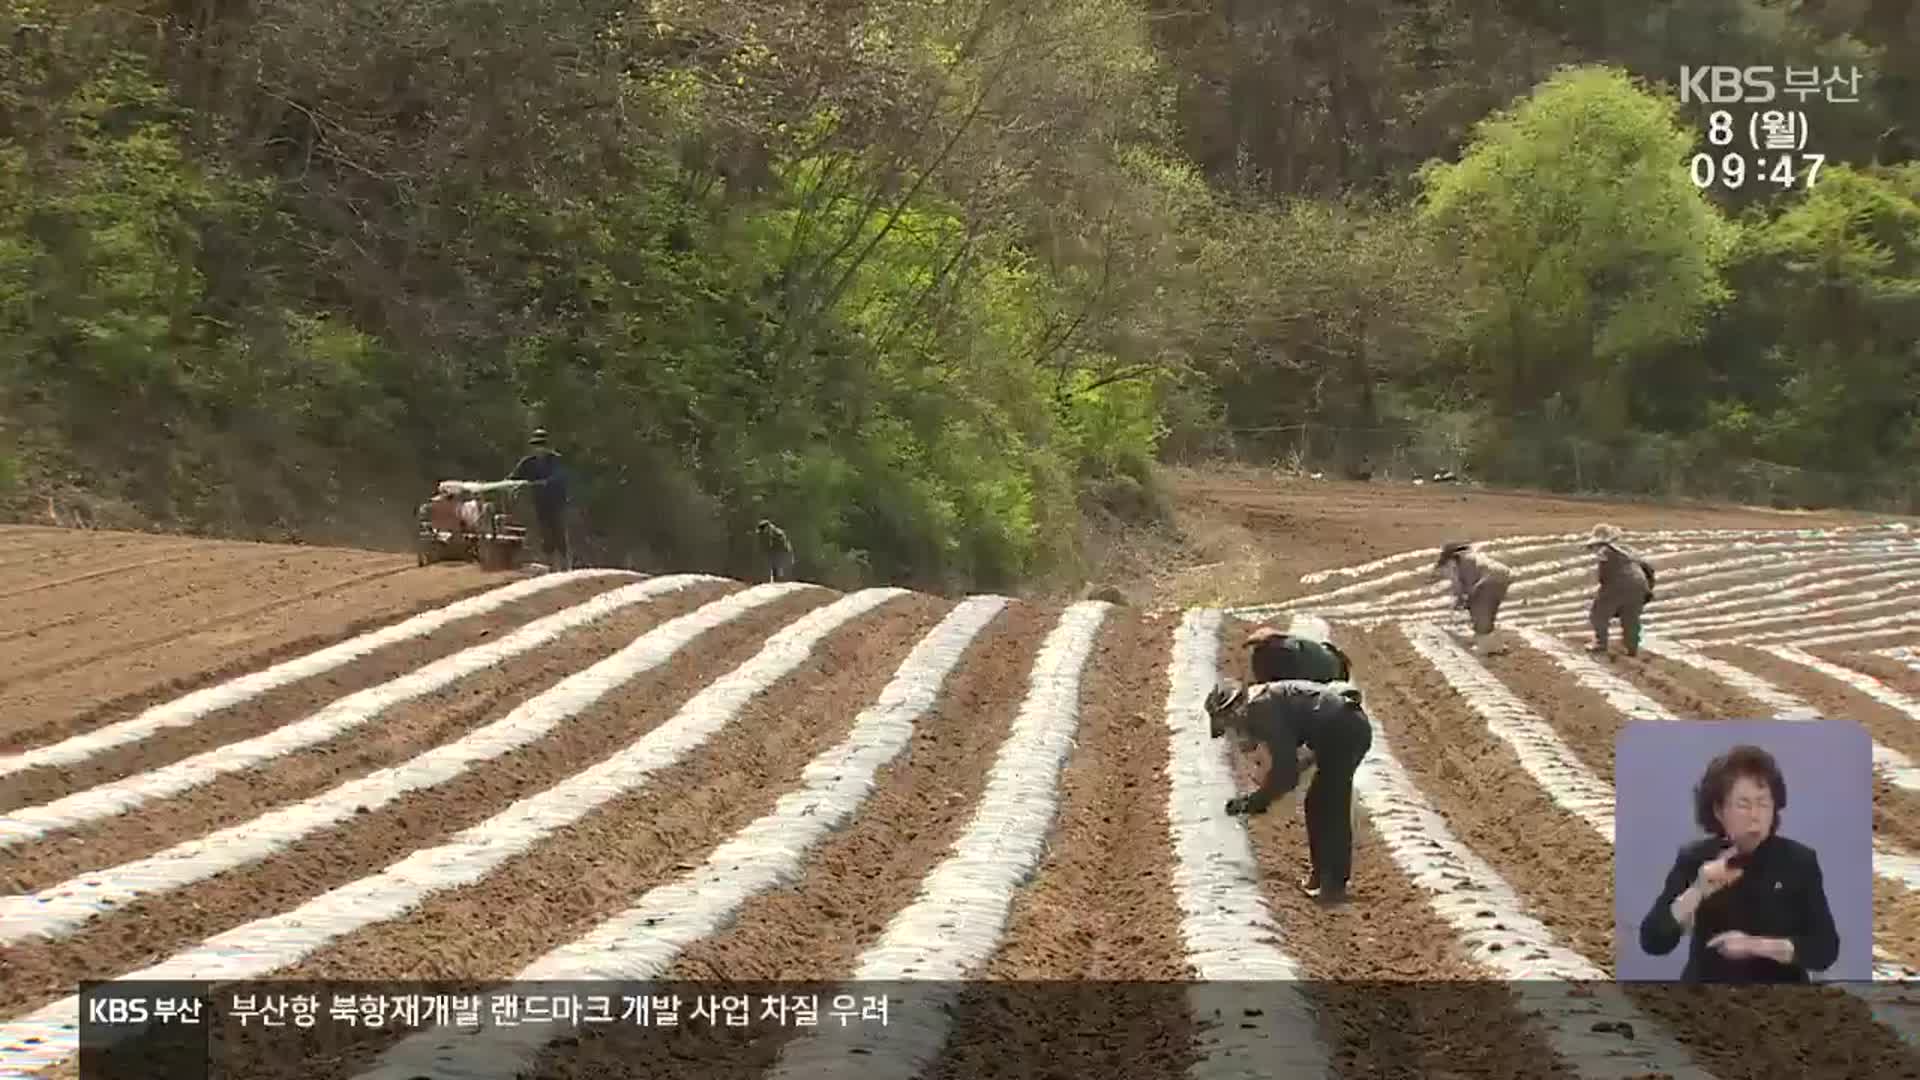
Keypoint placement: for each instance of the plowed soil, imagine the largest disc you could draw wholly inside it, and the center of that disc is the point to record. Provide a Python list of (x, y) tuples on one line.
[(1089, 973)]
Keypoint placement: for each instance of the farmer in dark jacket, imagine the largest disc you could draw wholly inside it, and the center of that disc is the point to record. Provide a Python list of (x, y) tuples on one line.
[(541, 467), (1302, 723), (1626, 584), (1277, 656)]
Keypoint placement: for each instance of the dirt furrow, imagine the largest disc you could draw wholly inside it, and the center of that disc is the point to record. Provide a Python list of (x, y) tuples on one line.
[(29, 534), (1563, 869), (118, 686), (1897, 674), (174, 593), (1886, 629), (45, 624), (922, 801), (1102, 905), (169, 623), (815, 929), (1832, 591), (395, 736), (1685, 690), (26, 560), (1583, 718), (134, 560), (1101, 911), (1896, 815), (1886, 616), (290, 702), (152, 928), (1679, 597), (564, 888), (1306, 525), (567, 885), (1896, 812), (1397, 994)]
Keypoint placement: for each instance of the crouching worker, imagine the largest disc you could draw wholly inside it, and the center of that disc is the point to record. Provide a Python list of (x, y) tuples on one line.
[(1277, 657), (1328, 723), (1480, 584)]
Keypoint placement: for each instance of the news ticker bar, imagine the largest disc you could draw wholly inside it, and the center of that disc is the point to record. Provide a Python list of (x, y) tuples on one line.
[(280, 1030), (259, 1029), (110, 1009)]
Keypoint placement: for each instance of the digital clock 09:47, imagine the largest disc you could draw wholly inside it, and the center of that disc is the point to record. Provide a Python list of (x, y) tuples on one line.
[(1730, 170)]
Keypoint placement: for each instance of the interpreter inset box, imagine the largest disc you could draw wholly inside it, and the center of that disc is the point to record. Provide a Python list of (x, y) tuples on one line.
[(1743, 851)]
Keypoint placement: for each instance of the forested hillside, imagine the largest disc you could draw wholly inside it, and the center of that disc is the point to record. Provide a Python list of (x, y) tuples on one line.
[(928, 280)]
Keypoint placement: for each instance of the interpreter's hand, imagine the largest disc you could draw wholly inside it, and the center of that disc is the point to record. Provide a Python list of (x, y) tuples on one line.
[(1736, 945), (1715, 874)]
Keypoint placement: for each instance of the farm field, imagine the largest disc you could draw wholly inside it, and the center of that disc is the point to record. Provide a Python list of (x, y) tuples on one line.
[(235, 761)]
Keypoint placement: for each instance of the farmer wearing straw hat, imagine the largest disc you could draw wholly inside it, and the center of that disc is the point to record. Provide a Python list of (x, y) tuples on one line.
[(1302, 724), (1480, 584), (1626, 584)]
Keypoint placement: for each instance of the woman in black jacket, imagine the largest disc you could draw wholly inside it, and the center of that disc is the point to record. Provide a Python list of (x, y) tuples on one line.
[(1752, 900)]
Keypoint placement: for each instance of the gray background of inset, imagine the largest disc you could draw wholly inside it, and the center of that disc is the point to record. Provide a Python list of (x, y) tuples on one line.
[(1828, 766)]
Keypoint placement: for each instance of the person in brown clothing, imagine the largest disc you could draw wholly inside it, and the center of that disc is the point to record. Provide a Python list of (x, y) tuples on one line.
[(1626, 584), (1480, 584), (777, 549)]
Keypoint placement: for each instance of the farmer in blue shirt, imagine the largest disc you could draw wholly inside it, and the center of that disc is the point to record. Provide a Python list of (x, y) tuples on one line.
[(542, 468)]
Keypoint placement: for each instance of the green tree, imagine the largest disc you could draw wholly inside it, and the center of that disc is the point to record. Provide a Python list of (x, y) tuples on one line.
[(1583, 243), (1838, 292)]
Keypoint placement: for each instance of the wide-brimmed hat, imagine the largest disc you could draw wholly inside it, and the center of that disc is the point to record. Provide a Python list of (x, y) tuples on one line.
[(1226, 695), (1455, 547), (538, 438), (1602, 534), (1260, 635)]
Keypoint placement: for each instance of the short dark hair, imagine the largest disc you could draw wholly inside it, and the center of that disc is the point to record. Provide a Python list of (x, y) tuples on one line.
[(1724, 771)]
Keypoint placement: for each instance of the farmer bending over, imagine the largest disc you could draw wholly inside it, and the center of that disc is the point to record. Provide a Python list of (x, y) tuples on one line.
[(1626, 584), (1302, 723), (1277, 656), (1480, 584)]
